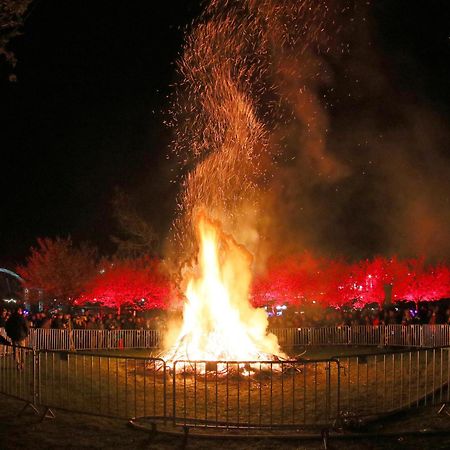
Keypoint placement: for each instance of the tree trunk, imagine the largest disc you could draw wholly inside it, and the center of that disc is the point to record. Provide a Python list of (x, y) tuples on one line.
[(387, 294)]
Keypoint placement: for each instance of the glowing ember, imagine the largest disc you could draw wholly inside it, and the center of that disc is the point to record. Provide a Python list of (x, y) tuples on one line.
[(219, 323)]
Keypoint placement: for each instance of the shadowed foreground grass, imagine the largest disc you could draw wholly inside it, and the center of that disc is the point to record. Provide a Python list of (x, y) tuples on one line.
[(76, 431)]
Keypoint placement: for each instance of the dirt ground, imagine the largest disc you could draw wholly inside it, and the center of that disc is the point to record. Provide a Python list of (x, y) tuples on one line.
[(74, 431)]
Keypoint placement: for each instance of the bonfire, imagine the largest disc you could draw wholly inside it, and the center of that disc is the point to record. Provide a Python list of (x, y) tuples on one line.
[(219, 323)]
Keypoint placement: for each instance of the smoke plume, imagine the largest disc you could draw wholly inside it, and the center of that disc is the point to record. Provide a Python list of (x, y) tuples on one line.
[(290, 131)]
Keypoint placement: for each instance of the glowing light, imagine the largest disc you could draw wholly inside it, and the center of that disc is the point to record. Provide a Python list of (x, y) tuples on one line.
[(218, 321)]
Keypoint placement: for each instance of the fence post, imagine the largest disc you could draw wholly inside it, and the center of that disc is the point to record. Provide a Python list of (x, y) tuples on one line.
[(165, 392), (174, 394), (36, 376), (338, 400)]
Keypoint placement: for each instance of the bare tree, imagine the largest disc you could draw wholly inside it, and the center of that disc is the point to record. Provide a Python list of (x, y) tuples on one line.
[(137, 237)]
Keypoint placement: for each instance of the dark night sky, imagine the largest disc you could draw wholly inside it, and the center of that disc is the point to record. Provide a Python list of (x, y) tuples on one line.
[(85, 113)]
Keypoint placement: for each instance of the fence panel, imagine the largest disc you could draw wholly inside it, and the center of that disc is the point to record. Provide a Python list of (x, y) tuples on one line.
[(383, 383), (255, 394), (426, 336), (292, 337), (109, 386), (435, 336), (51, 339), (18, 372)]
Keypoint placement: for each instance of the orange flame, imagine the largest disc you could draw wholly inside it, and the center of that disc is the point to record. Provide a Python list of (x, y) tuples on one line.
[(219, 324)]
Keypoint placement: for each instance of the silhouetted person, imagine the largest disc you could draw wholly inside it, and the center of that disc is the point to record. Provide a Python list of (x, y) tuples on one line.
[(57, 322), (17, 329)]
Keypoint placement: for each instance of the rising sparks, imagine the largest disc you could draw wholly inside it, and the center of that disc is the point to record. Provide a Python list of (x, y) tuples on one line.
[(248, 67)]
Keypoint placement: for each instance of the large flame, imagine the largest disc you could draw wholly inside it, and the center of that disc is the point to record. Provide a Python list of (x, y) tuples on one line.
[(219, 324)]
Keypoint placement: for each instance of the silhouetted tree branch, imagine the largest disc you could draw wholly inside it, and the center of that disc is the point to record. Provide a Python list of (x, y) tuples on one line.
[(12, 15), (138, 237)]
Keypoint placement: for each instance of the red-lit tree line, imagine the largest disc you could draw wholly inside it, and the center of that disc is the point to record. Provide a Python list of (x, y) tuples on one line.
[(76, 275), (304, 278)]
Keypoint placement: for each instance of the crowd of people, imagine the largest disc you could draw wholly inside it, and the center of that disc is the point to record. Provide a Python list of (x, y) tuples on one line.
[(405, 314), (89, 320), (399, 314)]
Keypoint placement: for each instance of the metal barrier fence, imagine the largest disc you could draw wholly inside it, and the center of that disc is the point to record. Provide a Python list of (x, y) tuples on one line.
[(374, 384), (92, 339), (422, 336), (338, 335), (245, 395), (261, 395), (249, 395), (21, 384), (111, 386)]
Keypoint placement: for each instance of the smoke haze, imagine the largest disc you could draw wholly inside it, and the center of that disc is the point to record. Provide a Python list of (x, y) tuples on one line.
[(291, 129)]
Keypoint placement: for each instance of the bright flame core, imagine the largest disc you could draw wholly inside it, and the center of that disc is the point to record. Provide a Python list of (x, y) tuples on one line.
[(219, 324)]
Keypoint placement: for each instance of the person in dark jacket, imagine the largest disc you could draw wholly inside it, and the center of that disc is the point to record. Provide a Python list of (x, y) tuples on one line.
[(17, 329), (3, 317), (58, 322)]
